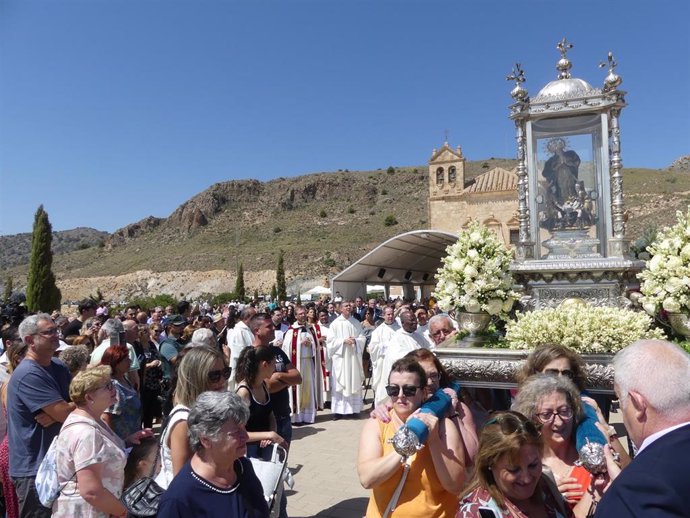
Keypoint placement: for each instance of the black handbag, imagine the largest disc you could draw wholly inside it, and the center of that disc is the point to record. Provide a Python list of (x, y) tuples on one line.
[(142, 498)]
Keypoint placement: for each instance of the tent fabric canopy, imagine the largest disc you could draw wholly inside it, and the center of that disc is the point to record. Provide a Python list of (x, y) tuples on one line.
[(409, 258), (318, 290)]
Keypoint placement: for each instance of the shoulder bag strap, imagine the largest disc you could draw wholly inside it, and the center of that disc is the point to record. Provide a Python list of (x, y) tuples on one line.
[(396, 494), (167, 425)]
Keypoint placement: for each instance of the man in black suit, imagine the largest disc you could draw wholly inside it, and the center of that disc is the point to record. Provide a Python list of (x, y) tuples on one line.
[(652, 381)]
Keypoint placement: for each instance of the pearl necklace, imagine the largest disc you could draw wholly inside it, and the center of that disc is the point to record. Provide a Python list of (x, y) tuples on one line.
[(213, 488)]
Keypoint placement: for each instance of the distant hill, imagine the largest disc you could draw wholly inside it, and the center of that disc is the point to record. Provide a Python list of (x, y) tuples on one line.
[(323, 222), (16, 249)]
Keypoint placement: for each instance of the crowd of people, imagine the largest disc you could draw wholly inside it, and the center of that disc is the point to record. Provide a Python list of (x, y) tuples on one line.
[(224, 385)]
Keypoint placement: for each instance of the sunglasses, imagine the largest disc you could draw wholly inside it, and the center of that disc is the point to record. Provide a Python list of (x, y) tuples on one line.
[(216, 376), (407, 390), (108, 386), (556, 372), (514, 422)]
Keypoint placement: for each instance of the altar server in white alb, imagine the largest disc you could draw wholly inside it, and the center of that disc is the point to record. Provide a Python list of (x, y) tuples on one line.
[(302, 346), (405, 340), (345, 345), (378, 344)]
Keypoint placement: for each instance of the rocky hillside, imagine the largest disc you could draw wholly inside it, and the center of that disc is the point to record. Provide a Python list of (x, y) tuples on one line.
[(322, 221), (681, 164)]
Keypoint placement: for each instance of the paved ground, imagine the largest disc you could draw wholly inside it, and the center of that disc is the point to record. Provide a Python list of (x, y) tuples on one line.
[(323, 459)]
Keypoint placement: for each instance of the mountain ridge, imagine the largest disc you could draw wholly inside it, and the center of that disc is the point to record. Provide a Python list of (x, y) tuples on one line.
[(323, 222)]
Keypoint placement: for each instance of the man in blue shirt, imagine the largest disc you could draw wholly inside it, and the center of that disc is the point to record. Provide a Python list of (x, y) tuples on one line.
[(37, 404)]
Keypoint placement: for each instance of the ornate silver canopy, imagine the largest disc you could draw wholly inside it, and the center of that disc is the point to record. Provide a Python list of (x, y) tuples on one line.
[(570, 189)]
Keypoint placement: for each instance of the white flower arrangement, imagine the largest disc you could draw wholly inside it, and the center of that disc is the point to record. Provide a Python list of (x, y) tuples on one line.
[(474, 276), (666, 280), (586, 329)]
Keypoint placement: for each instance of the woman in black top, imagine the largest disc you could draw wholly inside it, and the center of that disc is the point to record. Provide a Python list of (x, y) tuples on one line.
[(152, 376), (254, 366)]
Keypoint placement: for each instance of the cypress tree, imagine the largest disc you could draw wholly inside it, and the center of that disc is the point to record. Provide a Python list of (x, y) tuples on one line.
[(280, 278), (274, 293), (239, 284), (42, 294), (8, 289)]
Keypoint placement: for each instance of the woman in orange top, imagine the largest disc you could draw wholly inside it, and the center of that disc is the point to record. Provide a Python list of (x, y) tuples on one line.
[(436, 472)]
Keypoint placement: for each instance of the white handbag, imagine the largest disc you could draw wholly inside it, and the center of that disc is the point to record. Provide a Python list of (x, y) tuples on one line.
[(271, 473)]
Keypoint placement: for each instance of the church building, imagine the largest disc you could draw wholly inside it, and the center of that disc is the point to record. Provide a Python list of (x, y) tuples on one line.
[(455, 200)]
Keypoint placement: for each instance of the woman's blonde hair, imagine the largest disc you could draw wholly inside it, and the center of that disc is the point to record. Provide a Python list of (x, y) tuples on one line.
[(192, 374), (87, 381)]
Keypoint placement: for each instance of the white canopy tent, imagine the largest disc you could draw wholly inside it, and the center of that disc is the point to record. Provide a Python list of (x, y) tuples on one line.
[(317, 291), (410, 260)]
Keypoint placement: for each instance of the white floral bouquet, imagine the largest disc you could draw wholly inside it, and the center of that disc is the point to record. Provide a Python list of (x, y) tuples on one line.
[(474, 276), (666, 281), (584, 328)]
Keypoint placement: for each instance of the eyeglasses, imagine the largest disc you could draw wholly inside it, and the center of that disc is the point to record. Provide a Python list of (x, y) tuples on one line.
[(565, 413), (513, 422), (108, 386), (444, 332), (407, 390), (557, 372), (48, 332), (216, 376), (435, 376)]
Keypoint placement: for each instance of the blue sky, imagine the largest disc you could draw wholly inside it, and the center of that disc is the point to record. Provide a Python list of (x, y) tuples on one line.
[(111, 111)]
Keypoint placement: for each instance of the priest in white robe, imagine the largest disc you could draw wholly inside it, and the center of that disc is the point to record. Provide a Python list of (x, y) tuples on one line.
[(378, 344), (345, 345), (239, 337), (302, 346), (405, 340)]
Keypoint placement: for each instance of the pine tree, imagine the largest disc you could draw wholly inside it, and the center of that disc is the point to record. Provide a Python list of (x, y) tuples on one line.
[(239, 284), (8, 289), (42, 294), (280, 278)]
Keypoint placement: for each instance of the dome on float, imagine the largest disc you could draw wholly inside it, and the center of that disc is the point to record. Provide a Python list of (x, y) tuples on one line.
[(570, 87)]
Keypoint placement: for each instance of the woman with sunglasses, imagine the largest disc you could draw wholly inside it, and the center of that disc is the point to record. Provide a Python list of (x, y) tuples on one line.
[(200, 370), (508, 481), (254, 366), (152, 376), (436, 472), (553, 403), (460, 412)]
